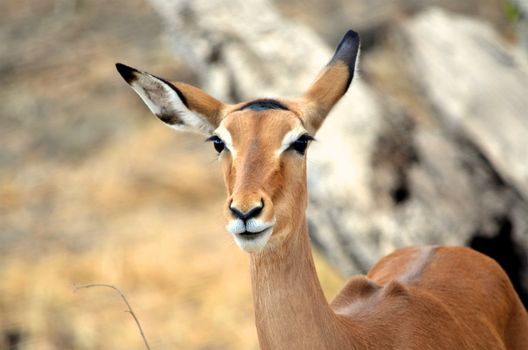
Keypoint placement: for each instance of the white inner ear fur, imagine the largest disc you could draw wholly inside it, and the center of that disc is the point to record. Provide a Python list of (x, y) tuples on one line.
[(225, 136), (290, 137), (161, 99)]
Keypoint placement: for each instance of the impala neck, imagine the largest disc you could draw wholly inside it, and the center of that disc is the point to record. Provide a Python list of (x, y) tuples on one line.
[(291, 310)]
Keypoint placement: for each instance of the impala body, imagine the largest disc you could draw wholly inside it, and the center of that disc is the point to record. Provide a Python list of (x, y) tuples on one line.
[(419, 298)]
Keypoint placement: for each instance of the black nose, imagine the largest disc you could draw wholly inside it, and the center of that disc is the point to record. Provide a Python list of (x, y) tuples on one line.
[(251, 213)]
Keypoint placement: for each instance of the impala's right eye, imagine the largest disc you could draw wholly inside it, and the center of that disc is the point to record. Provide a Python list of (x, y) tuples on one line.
[(218, 144)]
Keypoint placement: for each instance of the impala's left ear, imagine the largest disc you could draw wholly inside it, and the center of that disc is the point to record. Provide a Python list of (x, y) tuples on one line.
[(180, 106), (332, 83)]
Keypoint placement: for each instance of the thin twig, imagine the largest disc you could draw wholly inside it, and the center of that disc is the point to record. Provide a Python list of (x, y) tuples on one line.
[(130, 311)]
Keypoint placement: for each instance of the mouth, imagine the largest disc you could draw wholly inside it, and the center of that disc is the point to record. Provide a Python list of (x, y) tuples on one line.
[(253, 235), (253, 241)]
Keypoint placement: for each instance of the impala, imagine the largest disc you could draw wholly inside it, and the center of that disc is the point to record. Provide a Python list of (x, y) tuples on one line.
[(430, 297)]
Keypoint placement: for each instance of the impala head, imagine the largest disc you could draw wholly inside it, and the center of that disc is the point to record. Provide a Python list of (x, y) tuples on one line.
[(261, 144)]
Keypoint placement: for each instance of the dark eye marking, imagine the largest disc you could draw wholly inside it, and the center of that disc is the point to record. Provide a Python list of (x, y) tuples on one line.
[(301, 143), (218, 144)]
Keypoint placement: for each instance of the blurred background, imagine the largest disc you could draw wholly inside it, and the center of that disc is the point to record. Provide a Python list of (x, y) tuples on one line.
[(429, 147)]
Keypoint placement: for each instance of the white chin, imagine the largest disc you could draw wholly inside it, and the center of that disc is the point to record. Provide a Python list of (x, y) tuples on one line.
[(253, 243)]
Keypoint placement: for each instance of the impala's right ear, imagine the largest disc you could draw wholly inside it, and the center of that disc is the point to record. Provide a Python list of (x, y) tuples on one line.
[(180, 106)]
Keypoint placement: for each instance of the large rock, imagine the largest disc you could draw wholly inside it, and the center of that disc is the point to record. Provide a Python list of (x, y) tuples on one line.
[(479, 86)]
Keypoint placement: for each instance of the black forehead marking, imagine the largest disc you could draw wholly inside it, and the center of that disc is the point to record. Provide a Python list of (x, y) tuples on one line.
[(263, 105)]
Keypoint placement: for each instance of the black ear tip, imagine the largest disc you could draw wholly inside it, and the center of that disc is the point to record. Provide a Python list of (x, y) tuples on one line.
[(347, 49), (128, 73), (350, 41), (352, 35)]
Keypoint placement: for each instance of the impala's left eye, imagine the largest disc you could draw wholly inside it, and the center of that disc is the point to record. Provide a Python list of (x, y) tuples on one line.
[(301, 143), (218, 144)]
